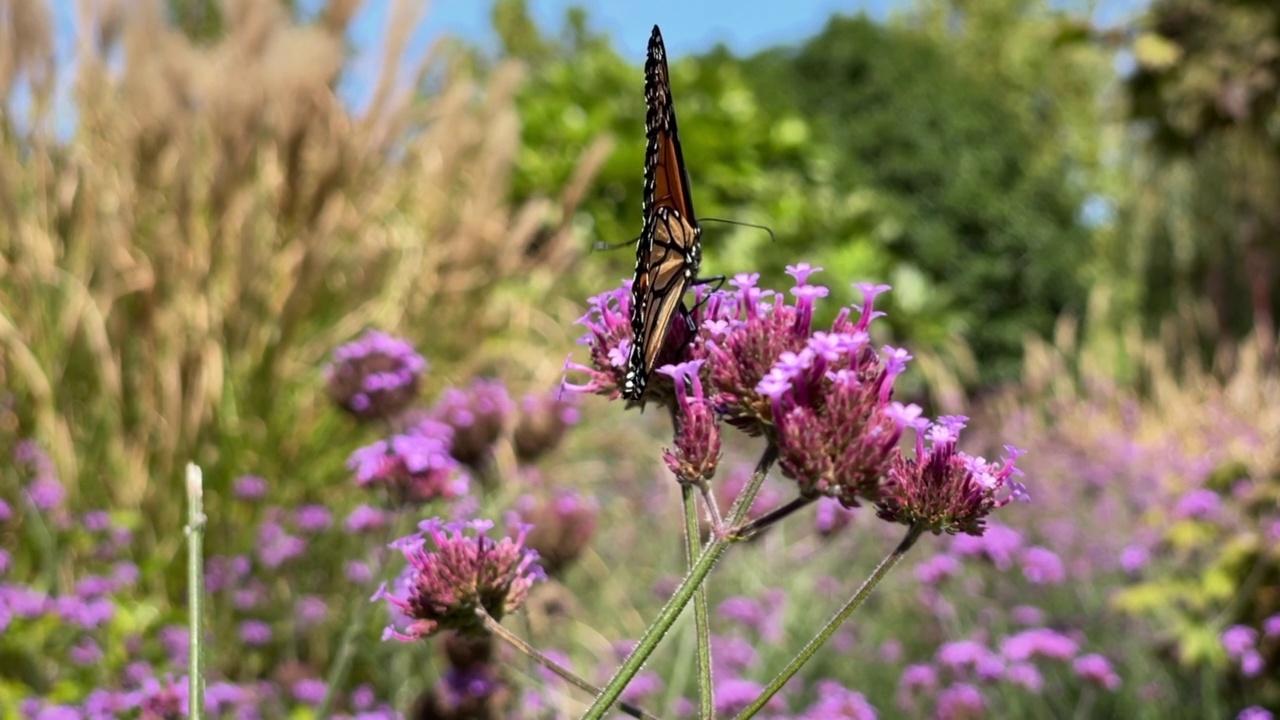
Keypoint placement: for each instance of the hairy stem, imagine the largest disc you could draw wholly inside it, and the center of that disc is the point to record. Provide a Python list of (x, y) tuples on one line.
[(859, 597), (684, 593), (195, 589), (701, 614)]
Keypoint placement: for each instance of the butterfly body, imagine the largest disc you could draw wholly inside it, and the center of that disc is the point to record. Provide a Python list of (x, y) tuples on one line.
[(670, 250)]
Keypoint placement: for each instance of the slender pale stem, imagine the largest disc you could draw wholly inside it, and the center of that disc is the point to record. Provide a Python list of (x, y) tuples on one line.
[(762, 523), (496, 628), (346, 649), (195, 589), (701, 614), (859, 597), (684, 593)]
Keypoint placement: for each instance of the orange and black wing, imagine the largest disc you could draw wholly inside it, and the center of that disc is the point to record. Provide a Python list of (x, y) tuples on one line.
[(669, 251)]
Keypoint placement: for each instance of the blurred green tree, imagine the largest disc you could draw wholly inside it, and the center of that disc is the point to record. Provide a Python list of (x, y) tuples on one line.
[(869, 151), (1206, 216)]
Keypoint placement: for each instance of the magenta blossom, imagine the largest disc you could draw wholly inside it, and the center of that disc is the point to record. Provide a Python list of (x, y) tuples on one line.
[(466, 573), (943, 489), (375, 376), (414, 467), (477, 416), (697, 437)]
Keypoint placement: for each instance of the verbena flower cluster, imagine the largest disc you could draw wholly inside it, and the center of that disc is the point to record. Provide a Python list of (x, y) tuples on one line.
[(375, 376), (823, 396), (461, 572)]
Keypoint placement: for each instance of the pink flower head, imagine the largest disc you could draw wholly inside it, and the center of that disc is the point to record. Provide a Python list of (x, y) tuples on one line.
[(541, 424), (945, 490), (466, 572), (414, 467), (477, 415), (1096, 669), (697, 436), (374, 377)]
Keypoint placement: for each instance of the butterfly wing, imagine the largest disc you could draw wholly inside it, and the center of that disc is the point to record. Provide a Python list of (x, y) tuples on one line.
[(669, 251)]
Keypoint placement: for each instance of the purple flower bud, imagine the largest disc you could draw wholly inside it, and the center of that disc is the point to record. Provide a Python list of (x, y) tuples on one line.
[(310, 611), (945, 490), (444, 587), (250, 487), (477, 415), (697, 435), (44, 488), (309, 691), (1039, 642), (561, 527), (313, 518), (275, 546), (255, 633), (1238, 639), (1042, 566), (364, 519), (1095, 669), (961, 701), (838, 703), (1255, 712), (541, 425), (375, 376), (412, 467)]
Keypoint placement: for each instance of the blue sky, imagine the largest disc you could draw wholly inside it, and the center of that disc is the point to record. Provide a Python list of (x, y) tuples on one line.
[(688, 26)]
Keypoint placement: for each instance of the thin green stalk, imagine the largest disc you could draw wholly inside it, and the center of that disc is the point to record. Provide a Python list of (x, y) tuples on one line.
[(346, 649), (195, 589), (764, 522), (702, 616), (859, 597), (684, 593), (495, 628)]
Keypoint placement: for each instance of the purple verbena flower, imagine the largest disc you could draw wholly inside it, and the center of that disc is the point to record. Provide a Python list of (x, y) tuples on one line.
[(44, 489), (961, 701), (1039, 642), (255, 633), (445, 587), (312, 518), (1238, 639), (562, 526), (835, 702), (309, 691), (945, 490), (250, 487), (1096, 669), (477, 414), (1255, 712), (1042, 566), (697, 434), (542, 423), (365, 518), (375, 376), (310, 611), (413, 467), (275, 546)]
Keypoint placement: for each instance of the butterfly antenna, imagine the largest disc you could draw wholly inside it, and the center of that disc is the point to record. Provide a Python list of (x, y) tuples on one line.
[(601, 245), (765, 228)]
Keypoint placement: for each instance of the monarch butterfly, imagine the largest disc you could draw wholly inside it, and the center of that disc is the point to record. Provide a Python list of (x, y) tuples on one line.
[(669, 251)]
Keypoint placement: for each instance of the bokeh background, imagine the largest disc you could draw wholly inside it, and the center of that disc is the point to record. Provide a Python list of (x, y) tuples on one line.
[(1077, 205)]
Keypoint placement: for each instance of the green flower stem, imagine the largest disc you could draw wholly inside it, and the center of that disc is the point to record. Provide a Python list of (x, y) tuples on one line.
[(702, 616), (495, 628), (762, 523), (913, 533), (195, 589), (346, 650), (684, 593)]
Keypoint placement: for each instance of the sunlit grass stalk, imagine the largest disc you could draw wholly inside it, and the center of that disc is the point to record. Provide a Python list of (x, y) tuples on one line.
[(701, 614), (684, 593), (195, 589), (859, 597), (346, 649), (495, 628)]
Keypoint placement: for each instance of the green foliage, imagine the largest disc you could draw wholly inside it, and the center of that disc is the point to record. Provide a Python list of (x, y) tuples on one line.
[(992, 240), (1203, 219), (868, 152)]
